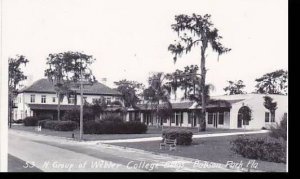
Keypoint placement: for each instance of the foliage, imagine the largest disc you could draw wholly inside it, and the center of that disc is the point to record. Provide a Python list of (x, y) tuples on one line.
[(280, 131), (183, 137), (158, 92), (18, 121), (74, 115), (59, 125), (246, 113), (15, 76), (273, 83), (266, 149), (196, 30), (108, 127), (15, 73), (130, 91), (112, 117), (269, 104), (66, 69), (235, 87), (97, 107), (30, 121)]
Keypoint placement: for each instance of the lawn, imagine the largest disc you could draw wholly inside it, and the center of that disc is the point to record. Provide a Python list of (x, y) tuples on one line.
[(151, 132), (214, 149)]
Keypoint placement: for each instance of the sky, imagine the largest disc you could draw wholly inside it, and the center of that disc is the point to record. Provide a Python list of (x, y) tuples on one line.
[(129, 38)]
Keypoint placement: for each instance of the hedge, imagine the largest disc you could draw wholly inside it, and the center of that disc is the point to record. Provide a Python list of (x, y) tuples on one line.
[(266, 149), (183, 136), (30, 121), (108, 127), (58, 125), (116, 118)]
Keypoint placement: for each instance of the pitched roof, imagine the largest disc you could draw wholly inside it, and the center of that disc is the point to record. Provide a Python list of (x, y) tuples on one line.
[(182, 105), (45, 86)]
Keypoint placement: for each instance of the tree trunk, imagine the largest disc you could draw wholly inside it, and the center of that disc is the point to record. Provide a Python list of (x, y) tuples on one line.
[(58, 107), (202, 122), (10, 111)]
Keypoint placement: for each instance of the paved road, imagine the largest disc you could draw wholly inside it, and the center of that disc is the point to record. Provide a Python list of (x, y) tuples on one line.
[(54, 154)]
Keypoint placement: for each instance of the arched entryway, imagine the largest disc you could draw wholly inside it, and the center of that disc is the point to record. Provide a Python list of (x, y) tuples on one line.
[(243, 113)]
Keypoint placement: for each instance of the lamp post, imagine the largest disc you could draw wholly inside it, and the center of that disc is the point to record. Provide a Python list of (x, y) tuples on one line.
[(81, 108)]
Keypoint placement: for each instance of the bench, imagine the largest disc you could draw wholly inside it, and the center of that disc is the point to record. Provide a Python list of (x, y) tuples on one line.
[(168, 142), (38, 128)]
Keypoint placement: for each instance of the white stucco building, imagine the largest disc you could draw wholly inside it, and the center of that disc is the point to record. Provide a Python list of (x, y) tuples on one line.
[(222, 112)]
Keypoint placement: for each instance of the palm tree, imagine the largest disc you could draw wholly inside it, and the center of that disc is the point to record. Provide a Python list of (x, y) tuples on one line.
[(156, 93)]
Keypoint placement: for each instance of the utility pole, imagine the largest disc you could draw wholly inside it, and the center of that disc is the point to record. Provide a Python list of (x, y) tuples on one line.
[(81, 108)]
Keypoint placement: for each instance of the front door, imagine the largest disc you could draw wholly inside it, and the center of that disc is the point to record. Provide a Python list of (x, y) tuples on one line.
[(239, 124), (215, 120), (195, 119)]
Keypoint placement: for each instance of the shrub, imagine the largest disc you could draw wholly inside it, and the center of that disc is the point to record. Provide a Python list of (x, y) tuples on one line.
[(280, 131), (42, 123), (19, 121), (112, 117), (266, 149), (183, 137), (65, 126), (30, 121), (108, 127), (58, 125), (45, 117)]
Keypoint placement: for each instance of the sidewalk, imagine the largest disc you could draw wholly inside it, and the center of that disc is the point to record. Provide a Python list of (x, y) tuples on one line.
[(160, 138)]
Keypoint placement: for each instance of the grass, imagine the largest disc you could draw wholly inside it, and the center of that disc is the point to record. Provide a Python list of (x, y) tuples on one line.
[(151, 132), (214, 149)]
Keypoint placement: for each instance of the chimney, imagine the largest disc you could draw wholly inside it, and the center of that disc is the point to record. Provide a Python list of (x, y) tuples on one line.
[(103, 80), (29, 80)]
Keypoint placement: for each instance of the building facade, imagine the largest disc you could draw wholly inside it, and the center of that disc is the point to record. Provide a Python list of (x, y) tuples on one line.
[(222, 112), (40, 98)]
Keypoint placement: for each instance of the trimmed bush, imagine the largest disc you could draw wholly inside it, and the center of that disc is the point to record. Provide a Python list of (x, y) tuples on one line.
[(280, 131), (183, 136), (266, 149), (19, 121), (108, 127), (30, 121), (58, 125), (65, 126)]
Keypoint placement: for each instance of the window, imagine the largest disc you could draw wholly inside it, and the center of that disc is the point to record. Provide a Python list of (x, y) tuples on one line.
[(43, 99), (273, 116), (267, 116), (84, 99), (210, 118), (71, 99), (173, 119), (53, 99), (108, 100), (221, 118), (181, 117), (32, 98), (190, 117), (165, 120)]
